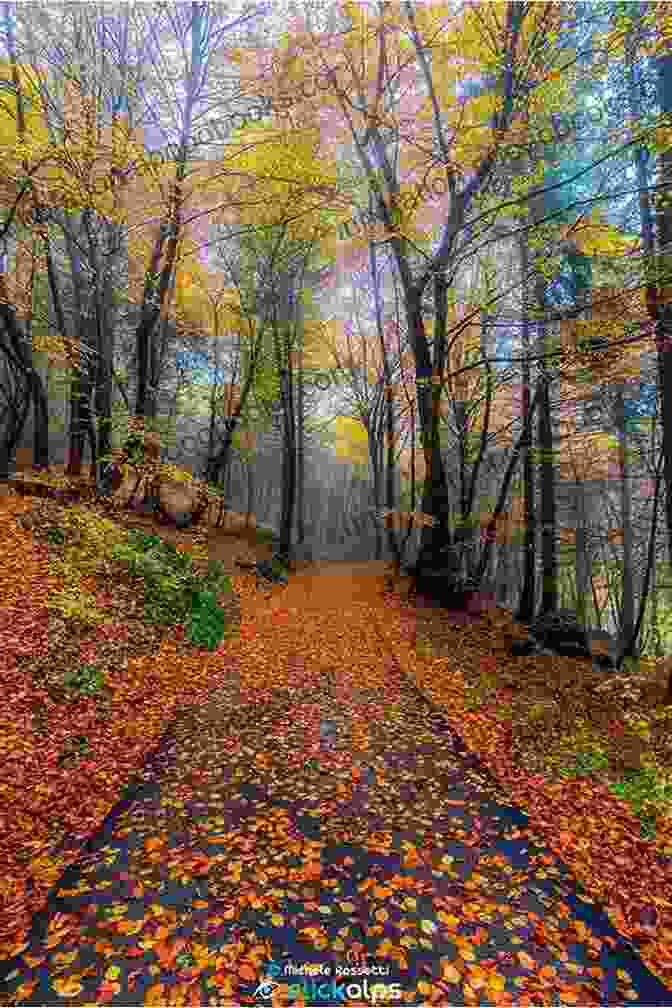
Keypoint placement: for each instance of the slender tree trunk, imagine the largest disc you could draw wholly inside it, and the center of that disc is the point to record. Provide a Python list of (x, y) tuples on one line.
[(526, 604), (300, 437), (21, 358), (582, 559), (627, 647), (17, 413), (390, 503), (549, 554), (664, 313), (628, 601), (283, 346), (288, 471)]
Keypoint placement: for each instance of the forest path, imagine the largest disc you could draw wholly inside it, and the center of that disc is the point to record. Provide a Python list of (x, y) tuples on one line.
[(316, 811)]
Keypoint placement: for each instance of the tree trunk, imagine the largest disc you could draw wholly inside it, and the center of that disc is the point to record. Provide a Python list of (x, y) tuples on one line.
[(582, 559), (663, 295), (549, 555), (284, 549), (17, 391), (526, 603), (390, 504), (628, 600), (437, 547), (300, 436), (20, 357)]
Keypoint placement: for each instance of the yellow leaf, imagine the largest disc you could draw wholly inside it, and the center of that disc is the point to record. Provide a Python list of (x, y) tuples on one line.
[(112, 973), (424, 987), (277, 919), (496, 982), (64, 958), (130, 927), (448, 919), (526, 960), (347, 907), (410, 903), (67, 986)]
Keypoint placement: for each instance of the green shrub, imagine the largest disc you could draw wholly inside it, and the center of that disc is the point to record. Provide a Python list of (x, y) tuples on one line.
[(141, 540), (279, 566), (586, 763), (207, 625), (216, 580), (173, 585), (85, 680), (648, 792)]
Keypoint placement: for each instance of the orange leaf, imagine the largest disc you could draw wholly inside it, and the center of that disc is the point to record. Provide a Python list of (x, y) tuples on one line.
[(67, 986), (152, 843), (154, 994), (450, 974), (194, 997), (246, 972), (467, 952), (382, 892)]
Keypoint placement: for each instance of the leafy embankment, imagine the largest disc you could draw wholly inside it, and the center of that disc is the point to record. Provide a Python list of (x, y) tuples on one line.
[(102, 637), (591, 766)]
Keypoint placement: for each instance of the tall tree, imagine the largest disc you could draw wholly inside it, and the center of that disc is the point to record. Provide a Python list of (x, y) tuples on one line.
[(371, 131)]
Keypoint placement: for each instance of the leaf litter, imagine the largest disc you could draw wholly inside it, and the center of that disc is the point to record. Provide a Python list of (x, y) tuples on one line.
[(259, 834)]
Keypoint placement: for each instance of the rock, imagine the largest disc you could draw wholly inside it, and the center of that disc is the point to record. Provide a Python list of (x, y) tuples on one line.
[(148, 505), (525, 647), (328, 733), (440, 586), (266, 570), (562, 633)]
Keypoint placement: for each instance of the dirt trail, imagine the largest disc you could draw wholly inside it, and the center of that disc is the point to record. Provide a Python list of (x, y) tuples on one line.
[(325, 815)]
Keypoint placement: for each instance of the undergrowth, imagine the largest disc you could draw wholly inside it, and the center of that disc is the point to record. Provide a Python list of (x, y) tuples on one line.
[(175, 589), (557, 732)]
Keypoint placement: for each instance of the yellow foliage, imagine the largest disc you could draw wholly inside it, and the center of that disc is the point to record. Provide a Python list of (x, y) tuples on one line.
[(352, 440), (75, 604), (289, 177), (595, 236), (35, 121)]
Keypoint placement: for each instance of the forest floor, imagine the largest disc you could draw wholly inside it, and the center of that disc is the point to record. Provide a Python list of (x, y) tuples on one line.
[(347, 780)]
